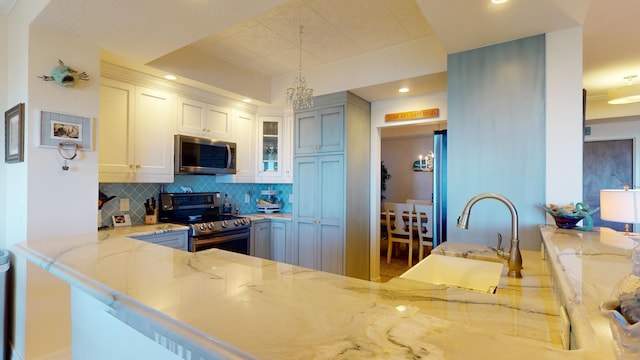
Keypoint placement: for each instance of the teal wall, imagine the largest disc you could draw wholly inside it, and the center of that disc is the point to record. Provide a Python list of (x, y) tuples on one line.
[(138, 193), (496, 139)]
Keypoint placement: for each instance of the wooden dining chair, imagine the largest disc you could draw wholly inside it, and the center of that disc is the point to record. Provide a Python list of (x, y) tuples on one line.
[(423, 219), (399, 227)]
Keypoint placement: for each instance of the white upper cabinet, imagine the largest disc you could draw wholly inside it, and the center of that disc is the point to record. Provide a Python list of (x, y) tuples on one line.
[(243, 134), (274, 149), (135, 133), (205, 120)]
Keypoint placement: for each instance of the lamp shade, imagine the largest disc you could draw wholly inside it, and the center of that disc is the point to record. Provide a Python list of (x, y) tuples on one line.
[(620, 205)]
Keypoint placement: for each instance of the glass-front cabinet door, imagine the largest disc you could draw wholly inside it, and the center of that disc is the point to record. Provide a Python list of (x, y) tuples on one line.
[(270, 147)]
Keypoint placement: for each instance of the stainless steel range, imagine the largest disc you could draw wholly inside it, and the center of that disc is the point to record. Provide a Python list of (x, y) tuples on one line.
[(209, 228)]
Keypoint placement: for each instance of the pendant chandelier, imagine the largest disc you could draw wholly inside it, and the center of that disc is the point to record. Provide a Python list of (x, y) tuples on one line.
[(300, 97)]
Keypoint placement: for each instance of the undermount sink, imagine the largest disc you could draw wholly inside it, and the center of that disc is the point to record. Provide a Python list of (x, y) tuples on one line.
[(471, 274)]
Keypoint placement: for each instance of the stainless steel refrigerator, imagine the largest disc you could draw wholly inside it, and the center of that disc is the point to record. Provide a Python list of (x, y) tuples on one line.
[(439, 187)]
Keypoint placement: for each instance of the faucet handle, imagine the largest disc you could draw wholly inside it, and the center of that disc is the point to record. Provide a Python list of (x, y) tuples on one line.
[(501, 253)]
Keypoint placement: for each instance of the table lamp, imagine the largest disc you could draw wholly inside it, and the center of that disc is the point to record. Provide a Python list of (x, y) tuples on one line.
[(621, 205)]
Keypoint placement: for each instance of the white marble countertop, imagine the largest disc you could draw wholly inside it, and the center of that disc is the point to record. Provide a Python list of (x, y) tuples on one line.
[(271, 310), (587, 269), (141, 230), (273, 216)]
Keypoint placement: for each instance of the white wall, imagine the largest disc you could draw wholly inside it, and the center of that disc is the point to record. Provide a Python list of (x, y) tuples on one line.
[(41, 198), (15, 175), (398, 155), (3, 105), (564, 126)]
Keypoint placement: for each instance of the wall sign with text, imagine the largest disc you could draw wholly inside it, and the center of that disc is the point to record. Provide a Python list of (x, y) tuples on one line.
[(413, 115)]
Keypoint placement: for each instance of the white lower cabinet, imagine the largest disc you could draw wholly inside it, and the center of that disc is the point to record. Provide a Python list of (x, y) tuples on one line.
[(173, 239), (271, 239)]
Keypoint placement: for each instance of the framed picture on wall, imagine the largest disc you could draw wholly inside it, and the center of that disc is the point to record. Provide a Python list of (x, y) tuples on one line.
[(14, 134), (56, 128)]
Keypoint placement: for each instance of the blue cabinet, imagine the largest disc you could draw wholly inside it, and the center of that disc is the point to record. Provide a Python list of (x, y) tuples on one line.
[(271, 239), (331, 186), (280, 241), (173, 239), (261, 239), (320, 131), (320, 216)]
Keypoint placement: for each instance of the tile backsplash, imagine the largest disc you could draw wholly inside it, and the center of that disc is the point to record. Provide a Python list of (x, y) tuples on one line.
[(138, 193)]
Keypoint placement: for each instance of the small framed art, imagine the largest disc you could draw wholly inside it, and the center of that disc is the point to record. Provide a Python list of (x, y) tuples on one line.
[(14, 134), (121, 220)]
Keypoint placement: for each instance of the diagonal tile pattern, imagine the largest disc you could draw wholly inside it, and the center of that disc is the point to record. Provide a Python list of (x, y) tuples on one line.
[(138, 193)]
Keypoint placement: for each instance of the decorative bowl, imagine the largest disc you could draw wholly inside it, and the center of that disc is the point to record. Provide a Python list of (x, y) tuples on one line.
[(567, 222), (568, 217)]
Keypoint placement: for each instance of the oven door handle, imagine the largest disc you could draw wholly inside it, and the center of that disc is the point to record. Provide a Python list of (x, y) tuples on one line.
[(225, 238)]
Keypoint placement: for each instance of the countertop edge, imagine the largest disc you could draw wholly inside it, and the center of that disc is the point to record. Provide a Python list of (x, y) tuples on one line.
[(128, 310)]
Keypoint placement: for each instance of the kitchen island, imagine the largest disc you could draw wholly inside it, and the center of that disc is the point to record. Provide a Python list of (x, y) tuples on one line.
[(132, 299)]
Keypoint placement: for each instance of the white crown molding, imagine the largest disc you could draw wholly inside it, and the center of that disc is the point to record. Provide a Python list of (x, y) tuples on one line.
[(121, 73)]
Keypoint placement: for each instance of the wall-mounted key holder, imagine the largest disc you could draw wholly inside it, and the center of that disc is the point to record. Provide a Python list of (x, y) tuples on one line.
[(68, 151)]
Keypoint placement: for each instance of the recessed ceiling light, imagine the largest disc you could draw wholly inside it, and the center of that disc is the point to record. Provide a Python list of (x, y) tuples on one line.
[(498, 2), (403, 90), (247, 100), (170, 77)]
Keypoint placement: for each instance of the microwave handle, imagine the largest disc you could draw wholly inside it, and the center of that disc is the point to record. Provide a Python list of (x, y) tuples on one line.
[(228, 156)]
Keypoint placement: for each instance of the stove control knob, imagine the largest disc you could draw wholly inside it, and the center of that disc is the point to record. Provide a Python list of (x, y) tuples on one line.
[(224, 224), (236, 222), (211, 226), (201, 227)]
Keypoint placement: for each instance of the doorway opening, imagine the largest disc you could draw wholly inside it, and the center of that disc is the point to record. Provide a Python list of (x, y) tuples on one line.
[(608, 164), (400, 147)]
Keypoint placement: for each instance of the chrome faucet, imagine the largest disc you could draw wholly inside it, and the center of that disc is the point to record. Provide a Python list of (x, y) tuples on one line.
[(514, 258)]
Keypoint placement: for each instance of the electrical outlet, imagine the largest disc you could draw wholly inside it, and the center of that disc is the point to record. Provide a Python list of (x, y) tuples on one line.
[(291, 198), (124, 205), (247, 198)]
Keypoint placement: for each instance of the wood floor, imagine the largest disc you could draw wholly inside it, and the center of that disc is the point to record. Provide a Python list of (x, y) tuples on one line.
[(398, 264)]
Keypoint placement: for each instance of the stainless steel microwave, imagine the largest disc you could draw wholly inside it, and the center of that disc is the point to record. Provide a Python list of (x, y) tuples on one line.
[(195, 155)]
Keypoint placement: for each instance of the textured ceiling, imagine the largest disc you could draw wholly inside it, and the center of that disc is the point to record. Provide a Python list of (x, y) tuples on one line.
[(332, 30), (261, 36)]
